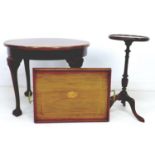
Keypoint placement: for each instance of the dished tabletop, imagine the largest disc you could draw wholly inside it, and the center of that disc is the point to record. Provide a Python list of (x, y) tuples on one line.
[(127, 37)]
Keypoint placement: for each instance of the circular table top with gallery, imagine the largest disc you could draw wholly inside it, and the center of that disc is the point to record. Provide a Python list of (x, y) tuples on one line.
[(71, 50)]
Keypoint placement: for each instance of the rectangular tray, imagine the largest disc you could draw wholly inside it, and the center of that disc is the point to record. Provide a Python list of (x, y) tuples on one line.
[(71, 95)]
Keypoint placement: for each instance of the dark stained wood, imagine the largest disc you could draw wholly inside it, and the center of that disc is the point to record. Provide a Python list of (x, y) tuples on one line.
[(126, 37), (71, 95), (70, 50), (27, 71), (123, 95), (13, 65)]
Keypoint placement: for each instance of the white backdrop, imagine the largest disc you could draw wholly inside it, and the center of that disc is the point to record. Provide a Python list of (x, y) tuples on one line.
[(91, 20)]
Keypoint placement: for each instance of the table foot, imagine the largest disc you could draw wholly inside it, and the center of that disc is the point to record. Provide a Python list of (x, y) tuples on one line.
[(17, 112), (28, 93), (131, 102), (124, 97), (124, 104), (75, 62)]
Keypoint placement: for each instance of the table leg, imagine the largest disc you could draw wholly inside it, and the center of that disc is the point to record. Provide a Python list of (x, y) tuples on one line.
[(123, 96), (27, 71), (75, 62), (13, 65)]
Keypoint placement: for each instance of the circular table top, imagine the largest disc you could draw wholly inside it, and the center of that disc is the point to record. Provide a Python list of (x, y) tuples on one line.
[(127, 37), (46, 43)]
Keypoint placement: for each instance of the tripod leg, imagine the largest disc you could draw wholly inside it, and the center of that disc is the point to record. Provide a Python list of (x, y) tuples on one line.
[(132, 105), (114, 98), (123, 102), (112, 101)]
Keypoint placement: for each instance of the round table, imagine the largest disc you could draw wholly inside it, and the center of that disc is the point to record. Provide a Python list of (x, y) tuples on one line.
[(123, 95), (71, 50)]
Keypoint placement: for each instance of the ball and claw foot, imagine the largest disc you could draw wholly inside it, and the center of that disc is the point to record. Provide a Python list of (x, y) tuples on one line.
[(17, 112), (28, 93)]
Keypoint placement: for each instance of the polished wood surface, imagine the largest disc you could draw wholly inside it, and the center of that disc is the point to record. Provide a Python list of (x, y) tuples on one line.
[(64, 95), (123, 95), (70, 50), (127, 37), (46, 43)]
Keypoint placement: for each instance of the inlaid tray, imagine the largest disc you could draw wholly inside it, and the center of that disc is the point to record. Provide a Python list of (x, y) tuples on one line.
[(71, 95)]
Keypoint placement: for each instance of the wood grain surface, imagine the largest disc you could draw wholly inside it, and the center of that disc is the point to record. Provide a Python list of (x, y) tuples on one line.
[(64, 95), (46, 43)]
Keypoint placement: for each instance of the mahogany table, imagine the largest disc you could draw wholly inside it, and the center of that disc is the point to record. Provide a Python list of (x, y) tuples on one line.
[(71, 50), (123, 95)]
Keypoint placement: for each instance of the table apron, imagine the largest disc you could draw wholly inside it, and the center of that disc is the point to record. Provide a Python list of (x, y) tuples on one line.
[(46, 55)]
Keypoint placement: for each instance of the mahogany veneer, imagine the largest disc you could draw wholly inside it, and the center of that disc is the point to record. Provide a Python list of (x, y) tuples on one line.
[(71, 50), (66, 95)]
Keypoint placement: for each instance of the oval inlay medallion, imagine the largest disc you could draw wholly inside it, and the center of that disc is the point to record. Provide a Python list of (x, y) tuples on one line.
[(72, 94)]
